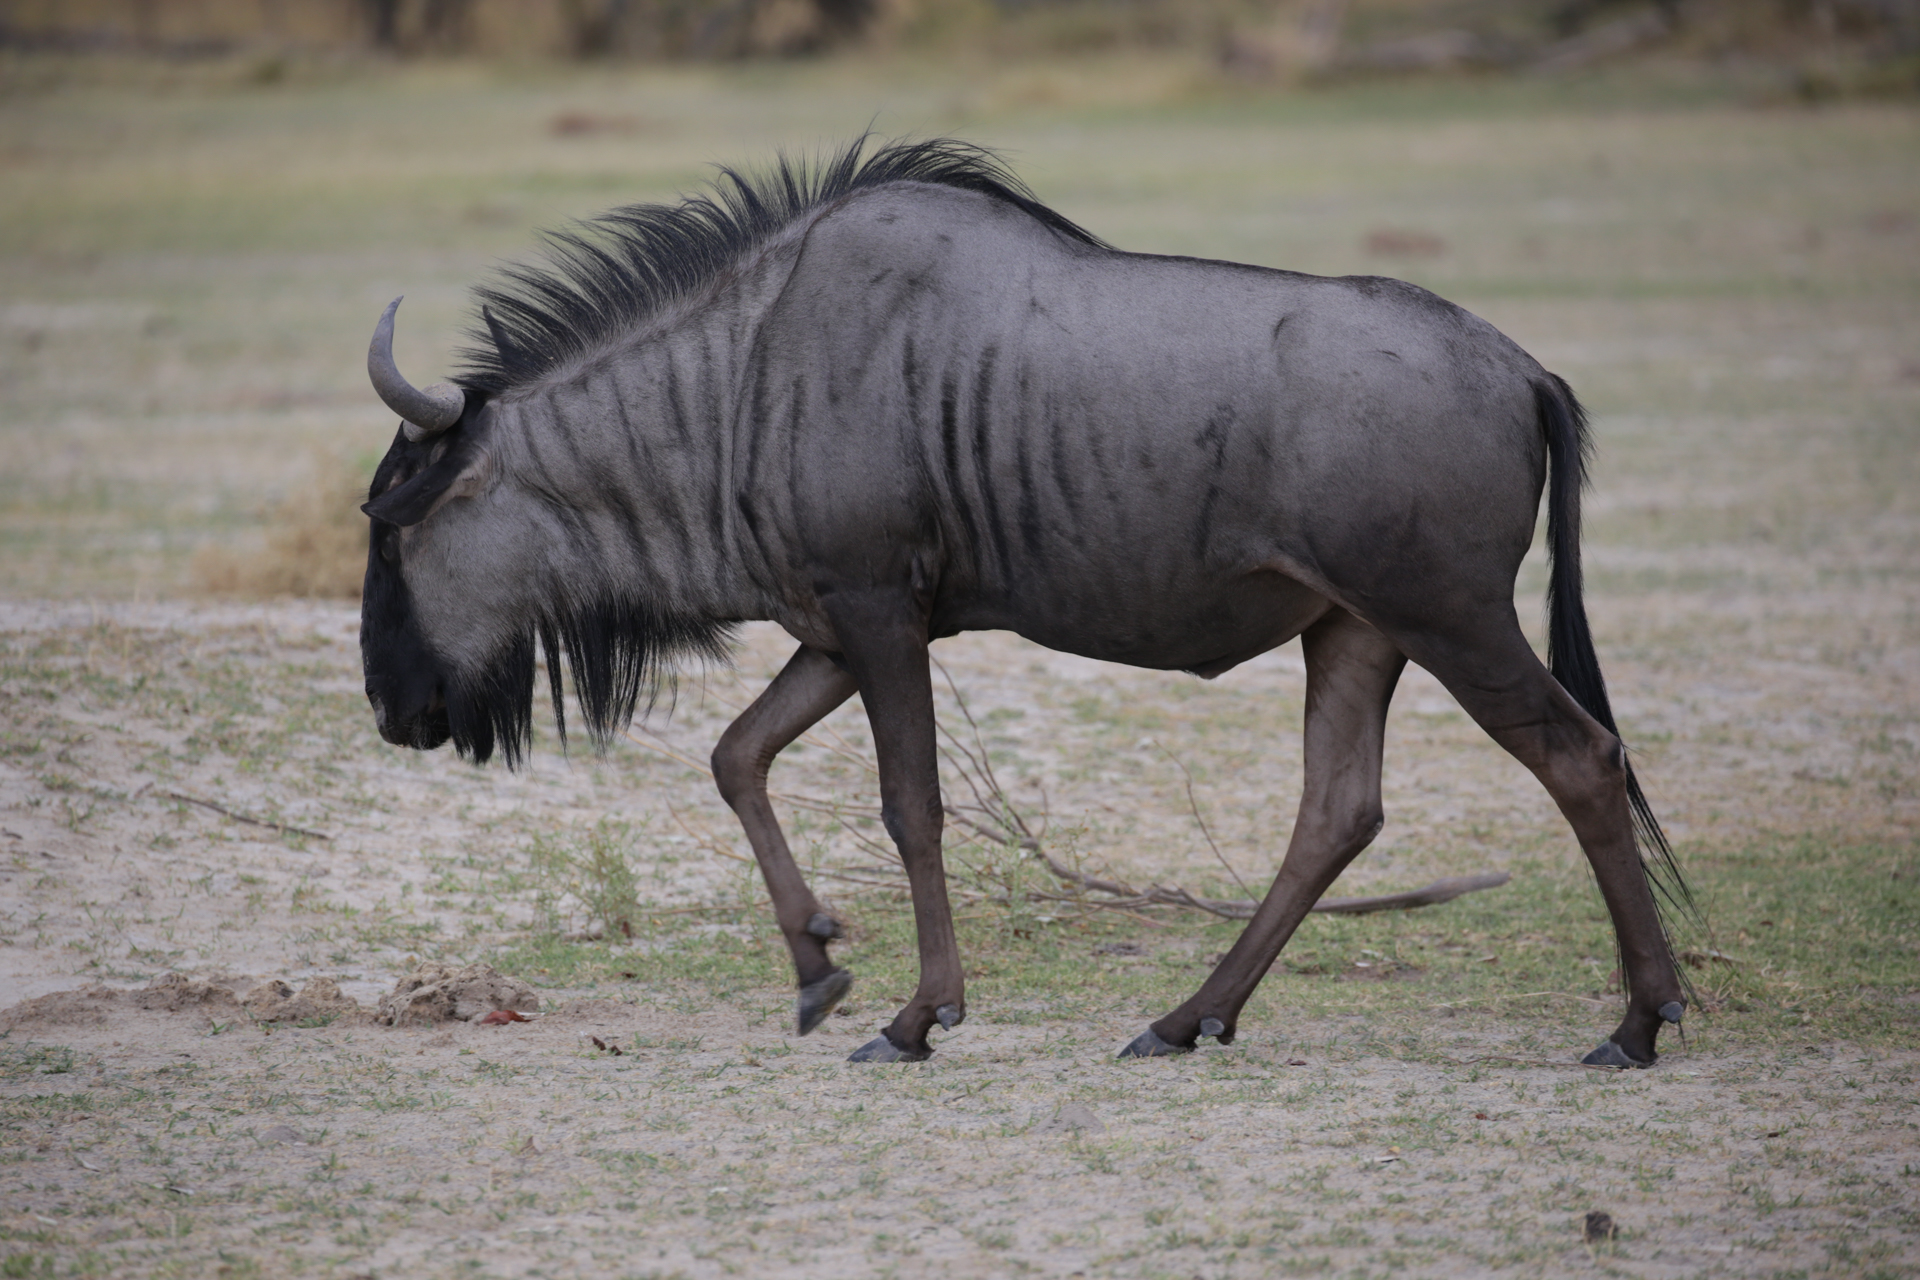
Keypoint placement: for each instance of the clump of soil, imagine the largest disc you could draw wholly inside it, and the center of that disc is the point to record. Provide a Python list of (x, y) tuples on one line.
[(86, 1007), (169, 993), (177, 993), (320, 999), (433, 993), (270, 1001), (436, 993)]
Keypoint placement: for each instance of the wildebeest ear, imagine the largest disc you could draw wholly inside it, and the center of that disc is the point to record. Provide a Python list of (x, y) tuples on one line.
[(458, 475)]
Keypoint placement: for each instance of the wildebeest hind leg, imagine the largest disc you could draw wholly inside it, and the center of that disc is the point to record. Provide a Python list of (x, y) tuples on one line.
[(1501, 683), (1351, 672), (809, 687)]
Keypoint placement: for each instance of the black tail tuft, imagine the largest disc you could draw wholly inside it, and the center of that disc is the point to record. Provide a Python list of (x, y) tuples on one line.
[(1570, 654)]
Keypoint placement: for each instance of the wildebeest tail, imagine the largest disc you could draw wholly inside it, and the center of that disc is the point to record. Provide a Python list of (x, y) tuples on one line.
[(1570, 654)]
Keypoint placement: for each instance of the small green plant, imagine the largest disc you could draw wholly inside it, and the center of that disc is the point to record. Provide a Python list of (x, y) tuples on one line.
[(590, 874)]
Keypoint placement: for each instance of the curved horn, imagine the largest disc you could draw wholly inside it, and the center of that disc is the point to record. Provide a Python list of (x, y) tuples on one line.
[(424, 413)]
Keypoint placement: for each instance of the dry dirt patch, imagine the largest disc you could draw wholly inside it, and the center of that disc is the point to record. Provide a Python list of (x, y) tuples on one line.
[(713, 1144), (151, 1113)]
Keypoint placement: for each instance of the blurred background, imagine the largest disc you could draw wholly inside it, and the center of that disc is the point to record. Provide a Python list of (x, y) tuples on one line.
[(1689, 206)]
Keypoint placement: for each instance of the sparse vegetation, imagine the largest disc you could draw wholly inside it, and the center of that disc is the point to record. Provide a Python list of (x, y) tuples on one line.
[(594, 873)]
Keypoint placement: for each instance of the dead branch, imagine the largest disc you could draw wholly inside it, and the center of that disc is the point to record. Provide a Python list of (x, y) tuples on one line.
[(843, 750), (1241, 909), (998, 837), (1006, 815), (1003, 825), (286, 827), (831, 874), (1439, 891), (703, 838)]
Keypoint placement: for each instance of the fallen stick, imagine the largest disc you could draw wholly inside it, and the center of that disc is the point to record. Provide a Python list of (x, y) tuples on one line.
[(1439, 891), (1127, 896), (287, 827), (1241, 909)]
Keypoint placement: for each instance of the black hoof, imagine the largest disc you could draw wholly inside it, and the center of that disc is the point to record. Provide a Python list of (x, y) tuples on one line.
[(1610, 1054), (817, 999), (1672, 1011), (1149, 1045), (881, 1049), (1217, 1029), (823, 926), (950, 1016)]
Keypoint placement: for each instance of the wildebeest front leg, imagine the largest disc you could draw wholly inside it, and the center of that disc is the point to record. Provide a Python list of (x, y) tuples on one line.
[(1351, 672), (809, 687), (883, 637)]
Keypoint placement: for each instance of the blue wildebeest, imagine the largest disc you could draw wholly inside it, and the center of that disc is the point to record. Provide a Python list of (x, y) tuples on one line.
[(893, 397)]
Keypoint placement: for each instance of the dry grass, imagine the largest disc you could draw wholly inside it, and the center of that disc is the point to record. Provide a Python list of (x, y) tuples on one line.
[(316, 544)]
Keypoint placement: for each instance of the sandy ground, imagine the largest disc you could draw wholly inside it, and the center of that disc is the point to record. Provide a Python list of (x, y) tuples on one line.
[(715, 1146), (1455, 1141)]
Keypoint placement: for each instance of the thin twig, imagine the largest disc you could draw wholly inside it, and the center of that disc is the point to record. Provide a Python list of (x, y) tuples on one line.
[(966, 776), (831, 874), (287, 827), (998, 837), (667, 751), (1012, 817), (1194, 805), (888, 857), (1439, 891), (844, 751), (845, 748), (832, 808), (705, 839), (1174, 896)]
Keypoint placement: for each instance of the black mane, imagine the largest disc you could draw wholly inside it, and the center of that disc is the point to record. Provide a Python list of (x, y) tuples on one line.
[(617, 652), (607, 275)]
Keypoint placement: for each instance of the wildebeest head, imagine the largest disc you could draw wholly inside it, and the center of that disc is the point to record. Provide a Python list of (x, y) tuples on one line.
[(472, 562), (435, 672)]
